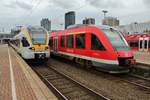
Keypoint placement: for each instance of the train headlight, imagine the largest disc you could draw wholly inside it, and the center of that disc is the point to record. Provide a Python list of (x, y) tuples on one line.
[(46, 48)]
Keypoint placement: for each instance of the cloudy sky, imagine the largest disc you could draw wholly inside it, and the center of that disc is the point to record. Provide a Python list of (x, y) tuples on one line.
[(30, 12)]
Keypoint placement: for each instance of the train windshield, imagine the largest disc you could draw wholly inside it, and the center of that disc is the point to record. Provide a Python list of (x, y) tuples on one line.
[(117, 40), (38, 35)]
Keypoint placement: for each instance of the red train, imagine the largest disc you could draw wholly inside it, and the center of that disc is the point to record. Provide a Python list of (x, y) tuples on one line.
[(139, 42), (99, 46)]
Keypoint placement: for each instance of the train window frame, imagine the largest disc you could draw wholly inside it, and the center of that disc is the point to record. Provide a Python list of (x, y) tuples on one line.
[(51, 42), (24, 42), (149, 44), (82, 46), (70, 38), (99, 45), (133, 43), (146, 44), (33, 34), (62, 41)]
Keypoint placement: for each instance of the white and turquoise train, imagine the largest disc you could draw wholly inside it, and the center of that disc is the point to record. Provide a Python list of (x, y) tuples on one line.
[(32, 43)]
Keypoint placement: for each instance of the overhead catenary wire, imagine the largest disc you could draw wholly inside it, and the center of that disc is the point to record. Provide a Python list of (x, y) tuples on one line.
[(30, 12)]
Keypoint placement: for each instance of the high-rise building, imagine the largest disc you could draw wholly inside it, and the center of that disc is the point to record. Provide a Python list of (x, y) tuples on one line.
[(46, 23), (89, 21), (69, 18), (110, 21)]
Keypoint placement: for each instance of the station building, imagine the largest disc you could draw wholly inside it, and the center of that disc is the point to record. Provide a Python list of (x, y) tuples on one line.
[(4, 37), (135, 28), (137, 35), (46, 23)]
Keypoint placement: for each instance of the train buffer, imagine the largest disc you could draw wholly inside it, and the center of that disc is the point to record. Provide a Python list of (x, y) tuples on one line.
[(18, 81)]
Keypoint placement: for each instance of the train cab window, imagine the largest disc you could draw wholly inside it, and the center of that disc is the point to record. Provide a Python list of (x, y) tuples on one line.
[(80, 41), (62, 41), (116, 39), (96, 43), (24, 42), (70, 41)]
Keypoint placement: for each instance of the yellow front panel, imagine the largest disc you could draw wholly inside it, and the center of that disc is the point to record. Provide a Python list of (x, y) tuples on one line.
[(39, 47)]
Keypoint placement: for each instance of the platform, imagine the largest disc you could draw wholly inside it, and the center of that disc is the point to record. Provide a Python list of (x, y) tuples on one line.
[(142, 67), (18, 81), (142, 57)]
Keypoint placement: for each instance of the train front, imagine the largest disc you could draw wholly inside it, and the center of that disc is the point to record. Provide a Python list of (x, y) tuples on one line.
[(122, 51), (39, 38)]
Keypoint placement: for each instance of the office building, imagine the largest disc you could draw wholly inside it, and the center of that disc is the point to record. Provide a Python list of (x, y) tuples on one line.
[(69, 18), (46, 23), (89, 21), (110, 21)]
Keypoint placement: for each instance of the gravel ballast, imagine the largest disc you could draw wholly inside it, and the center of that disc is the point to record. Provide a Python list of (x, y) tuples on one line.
[(107, 85)]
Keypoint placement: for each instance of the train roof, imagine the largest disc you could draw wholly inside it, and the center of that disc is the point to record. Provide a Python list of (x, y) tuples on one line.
[(80, 25), (137, 36), (84, 25), (32, 27)]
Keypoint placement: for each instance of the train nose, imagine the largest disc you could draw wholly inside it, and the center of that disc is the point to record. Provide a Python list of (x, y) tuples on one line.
[(125, 54), (126, 58)]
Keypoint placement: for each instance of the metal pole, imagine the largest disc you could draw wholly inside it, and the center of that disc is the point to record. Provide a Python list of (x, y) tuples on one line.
[(104, 11)]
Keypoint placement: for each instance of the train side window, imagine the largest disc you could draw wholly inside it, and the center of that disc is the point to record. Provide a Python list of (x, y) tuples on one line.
[(62, 41), (149, 43), (24, 42), (80, 41), (70, 41), (133, 43), (96, 43)]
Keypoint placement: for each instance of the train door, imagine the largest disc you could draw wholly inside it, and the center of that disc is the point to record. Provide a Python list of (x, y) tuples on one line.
[(55, 44), (0, 41), (146, 44), (141, 44)]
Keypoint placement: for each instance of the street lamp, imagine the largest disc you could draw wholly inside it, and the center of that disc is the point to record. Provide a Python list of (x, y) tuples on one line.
[(104, 11)]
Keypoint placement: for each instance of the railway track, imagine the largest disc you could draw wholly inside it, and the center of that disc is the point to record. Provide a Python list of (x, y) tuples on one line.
[(137, 80), (64, 86), (130, 78)]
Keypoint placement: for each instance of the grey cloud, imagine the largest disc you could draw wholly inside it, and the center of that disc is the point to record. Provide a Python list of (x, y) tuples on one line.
[(147, 3), (10, 6), (105, 3), (65, 4), (19, 4), (24, 5)]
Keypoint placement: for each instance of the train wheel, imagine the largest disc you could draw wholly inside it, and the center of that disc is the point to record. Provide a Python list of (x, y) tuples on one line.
[(88, 64), (74, 60), (80, 62), (46, 59)]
